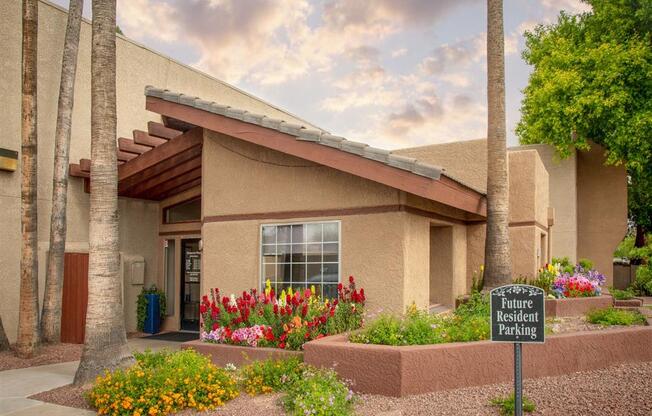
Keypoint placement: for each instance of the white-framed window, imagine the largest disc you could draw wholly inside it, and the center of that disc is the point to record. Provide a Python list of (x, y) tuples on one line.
[(300, 255)]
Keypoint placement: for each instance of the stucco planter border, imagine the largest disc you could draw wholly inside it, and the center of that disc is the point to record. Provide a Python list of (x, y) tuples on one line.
[(223, 354), (629, 303), (403, 371), (576, 306)]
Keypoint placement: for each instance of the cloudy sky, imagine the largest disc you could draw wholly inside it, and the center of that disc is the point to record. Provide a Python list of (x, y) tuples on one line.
[(392, 73)]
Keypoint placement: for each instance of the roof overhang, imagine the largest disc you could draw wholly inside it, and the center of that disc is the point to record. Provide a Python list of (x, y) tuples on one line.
[(443, 190)]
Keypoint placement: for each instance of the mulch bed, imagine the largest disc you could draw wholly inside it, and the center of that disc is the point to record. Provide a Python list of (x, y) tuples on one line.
[(47, 354), (618, 390)]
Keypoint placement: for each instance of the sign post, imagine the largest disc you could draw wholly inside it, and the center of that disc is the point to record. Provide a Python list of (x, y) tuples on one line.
[(518, 316)]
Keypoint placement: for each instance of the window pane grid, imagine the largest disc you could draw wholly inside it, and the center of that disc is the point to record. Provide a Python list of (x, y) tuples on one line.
[(300, 256)]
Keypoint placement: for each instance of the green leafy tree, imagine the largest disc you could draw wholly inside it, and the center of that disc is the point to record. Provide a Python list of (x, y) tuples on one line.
[(592, 82)]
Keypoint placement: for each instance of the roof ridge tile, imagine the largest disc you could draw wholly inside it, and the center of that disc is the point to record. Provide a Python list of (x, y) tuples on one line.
[(300, 132)]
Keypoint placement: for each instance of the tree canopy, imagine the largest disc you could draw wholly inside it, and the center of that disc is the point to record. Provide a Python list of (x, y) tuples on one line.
[(592, 82)]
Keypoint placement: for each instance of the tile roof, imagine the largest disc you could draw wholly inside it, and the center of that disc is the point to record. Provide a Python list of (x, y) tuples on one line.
[(302, 133)]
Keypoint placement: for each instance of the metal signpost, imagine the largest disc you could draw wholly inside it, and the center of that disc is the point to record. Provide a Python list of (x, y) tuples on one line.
[(518, 315)]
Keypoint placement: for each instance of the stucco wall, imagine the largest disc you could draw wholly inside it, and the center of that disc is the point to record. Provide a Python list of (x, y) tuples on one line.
[(387, 252), (463, 160), (601, 209), (562, 175), (137, 66)]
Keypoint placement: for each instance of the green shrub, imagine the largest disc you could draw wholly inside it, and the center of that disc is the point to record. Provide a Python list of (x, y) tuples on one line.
[(161, 383), (643, 282), (141, 305), (614, 316), (469, 322), (627, 250), (564, 264), (261, 377), (626, 294), (586, 264), (506, 405), (319, 393)]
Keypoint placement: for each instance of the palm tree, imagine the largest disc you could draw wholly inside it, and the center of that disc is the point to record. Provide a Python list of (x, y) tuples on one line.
[(4, 342), (105, 345), (51, 315), (28, 331), (498, 263)]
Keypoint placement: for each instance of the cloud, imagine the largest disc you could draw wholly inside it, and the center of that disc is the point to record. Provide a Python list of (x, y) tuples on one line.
[(396, 53), (271, 42)]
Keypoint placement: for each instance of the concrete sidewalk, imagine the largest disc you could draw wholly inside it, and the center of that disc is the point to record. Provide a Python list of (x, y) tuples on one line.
[(17, 385)]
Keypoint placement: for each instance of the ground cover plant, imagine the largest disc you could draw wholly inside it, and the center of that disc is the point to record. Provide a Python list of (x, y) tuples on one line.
[(615, 316), (287, 320), (506, 405), (469, 322), (307, 390), (625, 294), (162, 383)]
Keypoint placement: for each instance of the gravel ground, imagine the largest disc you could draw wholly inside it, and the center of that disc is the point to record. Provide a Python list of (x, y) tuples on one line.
[(47, 354), (620, 390), (574, 324), (69, 395)]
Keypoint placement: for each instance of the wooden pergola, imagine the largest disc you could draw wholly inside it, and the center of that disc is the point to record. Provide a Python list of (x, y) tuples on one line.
[(158, 163)]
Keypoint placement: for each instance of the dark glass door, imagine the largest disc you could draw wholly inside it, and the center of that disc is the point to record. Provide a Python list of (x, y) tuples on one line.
[(190, 284)]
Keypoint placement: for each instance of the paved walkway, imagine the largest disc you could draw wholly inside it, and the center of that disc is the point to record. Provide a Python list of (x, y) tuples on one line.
[(17, 385)]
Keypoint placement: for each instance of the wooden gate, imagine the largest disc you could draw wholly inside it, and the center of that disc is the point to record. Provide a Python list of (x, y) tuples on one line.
[(75, 297)]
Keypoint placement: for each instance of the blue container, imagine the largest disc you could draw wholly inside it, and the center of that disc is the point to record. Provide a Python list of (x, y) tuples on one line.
[(153, 318)]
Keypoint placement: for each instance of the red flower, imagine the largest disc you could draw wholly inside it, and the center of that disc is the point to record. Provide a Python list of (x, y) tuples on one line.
[(304, 310), (275, 308), (351, 280), (339, 286), (202, 309), (281, 345), (215, 325)]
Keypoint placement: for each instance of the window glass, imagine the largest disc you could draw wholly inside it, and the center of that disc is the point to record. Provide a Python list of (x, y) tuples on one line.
[(183, 212), (300, 256)]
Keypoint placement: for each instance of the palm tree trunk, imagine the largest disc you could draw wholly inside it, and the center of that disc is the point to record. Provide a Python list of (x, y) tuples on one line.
[(498, 264), (4, 342), (105, 345), (51, 315), (28, 333)]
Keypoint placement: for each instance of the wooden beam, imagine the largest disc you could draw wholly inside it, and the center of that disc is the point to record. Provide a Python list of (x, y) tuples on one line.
[(178, 190), (158, 169), (76, 171), (170, 185), (445, 190), (176, 171), (85, 165), (126, 156), (142, 137), (159, 130), (179, 145), (128, 145)]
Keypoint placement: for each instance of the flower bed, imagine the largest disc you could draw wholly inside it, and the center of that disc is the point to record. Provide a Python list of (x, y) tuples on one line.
[(407, 370), (286, 321)]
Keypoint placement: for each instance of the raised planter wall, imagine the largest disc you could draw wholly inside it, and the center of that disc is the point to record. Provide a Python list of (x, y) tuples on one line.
[(402, 371), (223, 354), (576, 306)]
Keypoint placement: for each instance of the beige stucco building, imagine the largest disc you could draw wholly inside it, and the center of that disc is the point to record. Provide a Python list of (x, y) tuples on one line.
[(228, 191)]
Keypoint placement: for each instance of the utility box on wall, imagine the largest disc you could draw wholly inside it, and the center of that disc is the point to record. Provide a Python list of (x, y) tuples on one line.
[(138, 272), (133, 275)]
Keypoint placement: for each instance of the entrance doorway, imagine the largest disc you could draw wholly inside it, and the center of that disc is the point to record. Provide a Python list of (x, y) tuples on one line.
[(190, 284)]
